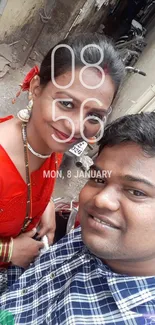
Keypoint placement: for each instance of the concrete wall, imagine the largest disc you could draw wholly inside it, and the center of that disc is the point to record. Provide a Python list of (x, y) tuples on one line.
[(92, 13), (136, 85), (37, 25), (16, 15), (62, 18)]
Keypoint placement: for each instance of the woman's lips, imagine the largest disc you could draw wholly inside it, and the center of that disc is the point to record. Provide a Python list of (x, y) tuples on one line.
[(63, 136)]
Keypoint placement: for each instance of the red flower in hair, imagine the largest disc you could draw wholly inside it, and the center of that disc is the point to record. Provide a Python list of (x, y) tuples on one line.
[(26, 83)]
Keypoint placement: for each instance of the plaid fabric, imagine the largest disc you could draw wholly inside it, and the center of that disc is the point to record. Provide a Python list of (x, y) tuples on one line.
[(8, 277), (68, 285), (3, 280)]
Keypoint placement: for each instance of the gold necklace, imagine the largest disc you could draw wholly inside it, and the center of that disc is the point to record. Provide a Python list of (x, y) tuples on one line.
[(28, 217), (39, 155)]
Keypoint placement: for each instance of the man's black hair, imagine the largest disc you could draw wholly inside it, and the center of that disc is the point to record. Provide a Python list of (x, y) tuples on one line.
[(137, 128)]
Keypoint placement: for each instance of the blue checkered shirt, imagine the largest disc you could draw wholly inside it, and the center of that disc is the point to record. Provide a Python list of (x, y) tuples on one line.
[(68, 285)]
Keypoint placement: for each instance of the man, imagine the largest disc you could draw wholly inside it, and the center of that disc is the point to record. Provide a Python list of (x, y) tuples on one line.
[(108, 276)]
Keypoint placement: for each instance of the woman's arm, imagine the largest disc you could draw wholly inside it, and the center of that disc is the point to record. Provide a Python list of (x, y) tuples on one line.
[(47, 224), (25, 249), (20, 251)]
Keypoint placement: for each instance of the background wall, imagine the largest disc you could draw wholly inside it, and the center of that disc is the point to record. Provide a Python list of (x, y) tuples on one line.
[(16, 15)]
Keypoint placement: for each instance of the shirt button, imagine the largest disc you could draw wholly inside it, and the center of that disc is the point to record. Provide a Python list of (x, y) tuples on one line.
[(52, 275), (48, 318), (24, 291), (87, 257), (1, 210)]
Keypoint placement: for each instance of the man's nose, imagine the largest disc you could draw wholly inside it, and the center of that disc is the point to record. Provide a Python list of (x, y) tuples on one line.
[(107, 198)]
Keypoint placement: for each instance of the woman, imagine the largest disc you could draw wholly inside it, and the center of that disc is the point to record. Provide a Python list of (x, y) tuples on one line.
[(51, 124)]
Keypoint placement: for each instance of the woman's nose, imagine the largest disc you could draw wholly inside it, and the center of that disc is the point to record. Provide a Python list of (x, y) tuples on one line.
[(76, 125), (107, 198)]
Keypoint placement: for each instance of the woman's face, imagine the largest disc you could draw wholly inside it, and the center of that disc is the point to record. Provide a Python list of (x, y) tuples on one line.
[(58, 112)]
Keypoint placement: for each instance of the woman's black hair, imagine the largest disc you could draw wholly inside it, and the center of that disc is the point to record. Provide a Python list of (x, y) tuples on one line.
[(62, 58)]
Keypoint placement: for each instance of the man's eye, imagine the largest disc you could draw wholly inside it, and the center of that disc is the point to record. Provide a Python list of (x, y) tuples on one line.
[(136, 193), (96, 118), (66, 104), (97, 180)]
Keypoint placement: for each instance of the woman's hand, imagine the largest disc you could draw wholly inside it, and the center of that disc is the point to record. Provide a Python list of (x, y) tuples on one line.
[(47, 224), (25, 249)]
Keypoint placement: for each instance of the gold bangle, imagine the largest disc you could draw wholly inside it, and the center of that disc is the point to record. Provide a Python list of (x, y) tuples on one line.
[(6, 246), (52, 199), (1, 246), (10, 249)]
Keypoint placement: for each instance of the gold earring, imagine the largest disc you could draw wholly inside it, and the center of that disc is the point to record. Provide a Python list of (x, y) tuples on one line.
[(24, 114), (98, 134), (30, 95)]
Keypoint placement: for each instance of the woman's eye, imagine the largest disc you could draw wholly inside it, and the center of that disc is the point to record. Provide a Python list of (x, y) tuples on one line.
[(66, 104), (136, 193), (96, 118)]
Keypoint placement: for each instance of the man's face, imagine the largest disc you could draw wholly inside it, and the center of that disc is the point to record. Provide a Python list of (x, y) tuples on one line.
[(117, 213)]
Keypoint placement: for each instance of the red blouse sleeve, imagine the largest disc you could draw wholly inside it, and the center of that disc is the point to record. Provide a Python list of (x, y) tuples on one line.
[(6, 118), (59, 158)]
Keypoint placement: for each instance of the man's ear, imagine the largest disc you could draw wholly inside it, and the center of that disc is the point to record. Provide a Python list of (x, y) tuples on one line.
[(35, 87)]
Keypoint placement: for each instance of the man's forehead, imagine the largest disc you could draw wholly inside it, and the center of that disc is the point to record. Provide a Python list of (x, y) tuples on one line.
[(126, 159), (125, 152)]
